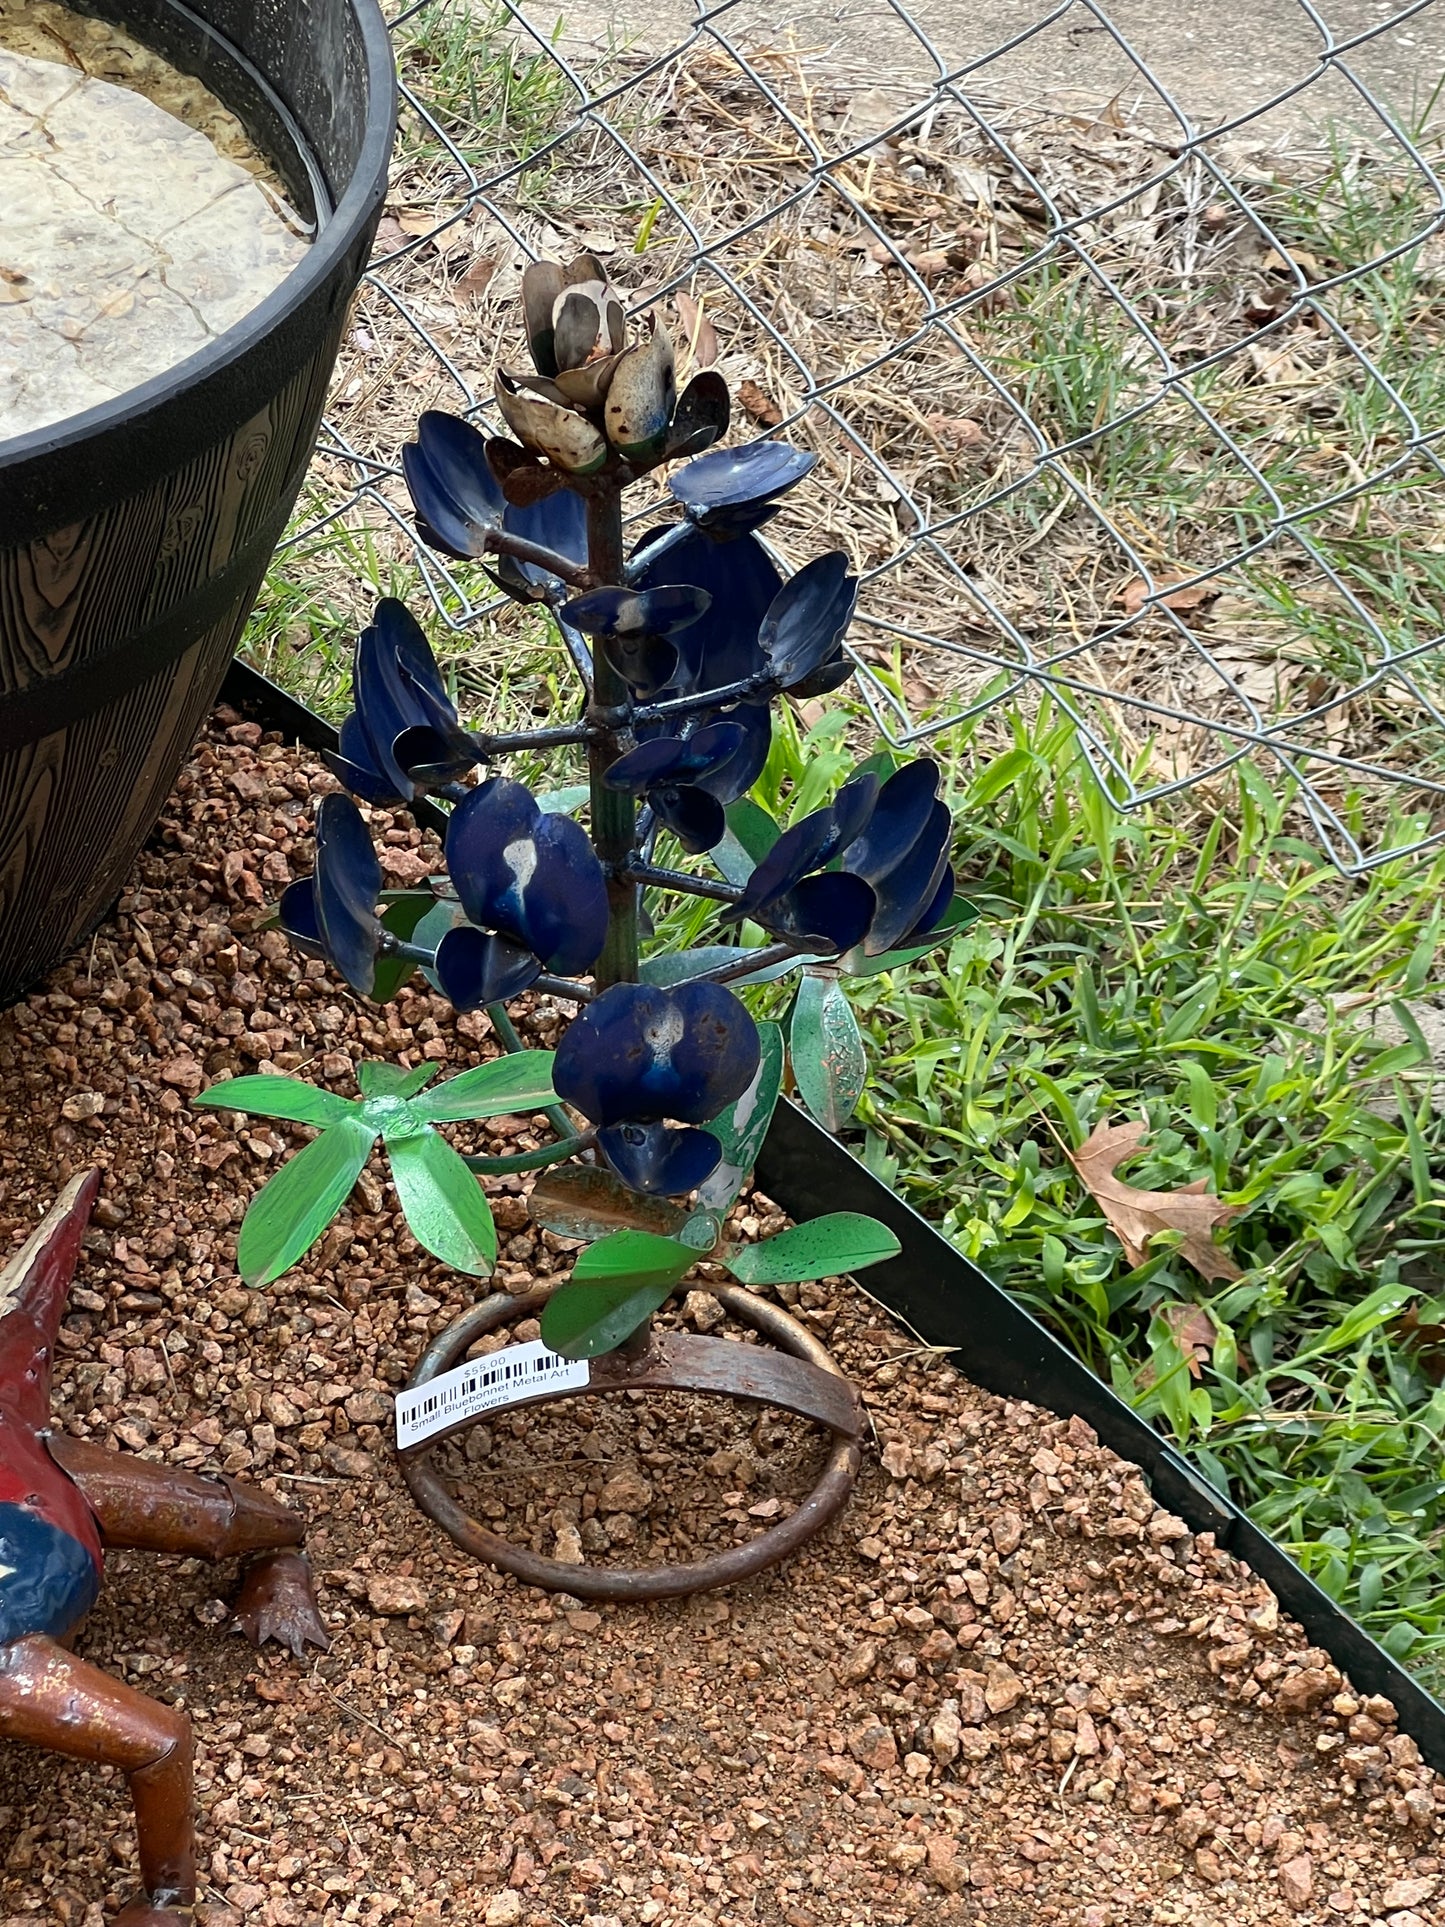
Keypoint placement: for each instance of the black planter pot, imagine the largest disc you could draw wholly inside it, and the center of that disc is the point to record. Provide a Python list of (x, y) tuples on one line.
[(134, 537)]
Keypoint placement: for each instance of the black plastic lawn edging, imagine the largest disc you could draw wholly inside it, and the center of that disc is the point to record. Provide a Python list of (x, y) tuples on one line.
[(948, 1302)]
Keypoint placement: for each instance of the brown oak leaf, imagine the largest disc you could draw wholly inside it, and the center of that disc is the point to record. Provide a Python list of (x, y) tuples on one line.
[(1193, 1333), (759, 405), (700, 334), (1136, 591), (1136, 1216)]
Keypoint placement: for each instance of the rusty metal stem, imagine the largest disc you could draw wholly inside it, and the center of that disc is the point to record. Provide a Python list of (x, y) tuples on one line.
[(614, 816)]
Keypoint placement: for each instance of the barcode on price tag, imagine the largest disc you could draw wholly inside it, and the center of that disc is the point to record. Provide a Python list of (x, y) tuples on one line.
[(483, 1385)]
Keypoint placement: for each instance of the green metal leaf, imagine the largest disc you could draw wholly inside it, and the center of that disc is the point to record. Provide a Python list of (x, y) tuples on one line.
[(286, 1097), (830, 1066), (403, 916), (753, 827), (702, 1230), (519, 1081), (635, 1257), (290, 1212), (378, 1078), (584, 1320), (958, 916), (743, 1126), (585, 1201), (674, 966), (843, 1241), (445, 1206), (751, 833), (562, 802)]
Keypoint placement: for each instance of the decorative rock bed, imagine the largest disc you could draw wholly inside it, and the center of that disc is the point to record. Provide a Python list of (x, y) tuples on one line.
[(1005, 1687)]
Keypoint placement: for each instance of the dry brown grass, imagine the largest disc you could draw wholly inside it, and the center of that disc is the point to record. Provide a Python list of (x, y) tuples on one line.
[(939, 313)]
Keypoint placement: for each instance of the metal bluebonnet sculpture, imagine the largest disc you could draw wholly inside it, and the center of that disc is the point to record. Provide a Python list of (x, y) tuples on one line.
[(682, 647)]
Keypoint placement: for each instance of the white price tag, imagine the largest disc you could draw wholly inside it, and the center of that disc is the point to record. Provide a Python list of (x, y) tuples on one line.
[(483, 1385)]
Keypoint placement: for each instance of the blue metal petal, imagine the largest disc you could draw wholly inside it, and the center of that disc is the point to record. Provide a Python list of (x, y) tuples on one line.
[(651, 762), (711, 752), (726, 477), (347, 885), (853, 809), (559, 523), (701, 415), (809, 614), (829, 912), (474, 968), (675, 759), (351, 762), (660, 1160), (636, 612), (797, 851), (564, 901), (431, 759), (937, 910), (533, 877), (647, 664), (910, 886), (904, 807), (742, 579), (730, 780), (827, 677), (726, 525), (697, 820), (496, 816), (399, 631), (642, 1054), (297, 915), (385, 692), (451, 485)]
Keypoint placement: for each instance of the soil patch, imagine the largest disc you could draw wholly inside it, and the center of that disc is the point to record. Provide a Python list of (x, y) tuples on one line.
[(1005, 1686)]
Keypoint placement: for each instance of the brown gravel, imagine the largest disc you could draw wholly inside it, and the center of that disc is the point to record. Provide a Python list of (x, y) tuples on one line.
[(1005, 1687)]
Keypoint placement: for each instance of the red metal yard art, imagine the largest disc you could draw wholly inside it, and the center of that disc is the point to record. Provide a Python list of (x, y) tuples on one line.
[(62, 1502)]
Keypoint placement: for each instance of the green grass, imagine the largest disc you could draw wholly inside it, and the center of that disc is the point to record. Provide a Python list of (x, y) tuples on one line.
[(1149, 967), (1141, 967)]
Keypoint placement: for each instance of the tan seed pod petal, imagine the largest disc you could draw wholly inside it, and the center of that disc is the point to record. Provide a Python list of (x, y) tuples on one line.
[(586, 387), (564, 437), (542, 385), (583, 268), (576, 325), (641, 398), (615, 321), (541, 285)]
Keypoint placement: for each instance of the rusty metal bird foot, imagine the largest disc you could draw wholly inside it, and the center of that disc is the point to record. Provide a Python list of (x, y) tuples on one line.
[(798, 1376), (63, 1501)]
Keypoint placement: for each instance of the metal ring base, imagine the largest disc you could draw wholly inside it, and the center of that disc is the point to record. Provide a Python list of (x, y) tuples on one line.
[(799, 1376)]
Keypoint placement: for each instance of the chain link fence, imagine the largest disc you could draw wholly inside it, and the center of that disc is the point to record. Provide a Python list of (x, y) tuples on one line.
[(1114, 328)]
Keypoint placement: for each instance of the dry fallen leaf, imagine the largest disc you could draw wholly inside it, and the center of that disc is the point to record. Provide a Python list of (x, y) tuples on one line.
[(759, 405), (390, 235), (957, 431), (700, 333), (1193, 1332), (1137, 1216), (474, 283), (1136, 589)]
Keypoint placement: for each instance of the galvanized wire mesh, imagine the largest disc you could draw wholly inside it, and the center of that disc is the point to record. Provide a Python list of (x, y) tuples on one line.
[(1122, 376)]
